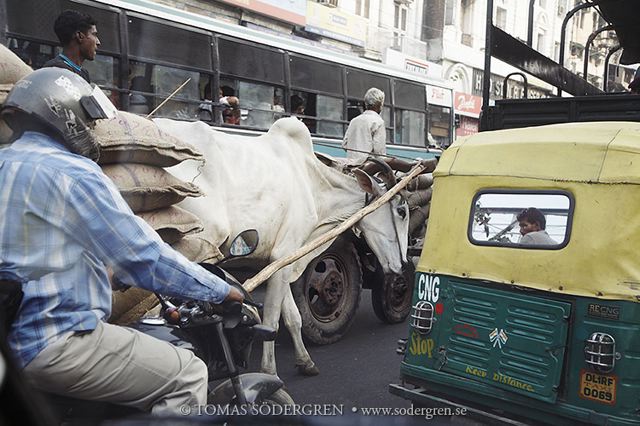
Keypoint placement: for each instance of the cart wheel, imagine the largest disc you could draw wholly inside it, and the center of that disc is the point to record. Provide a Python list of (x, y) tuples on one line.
[(328, 293), (391, 296)]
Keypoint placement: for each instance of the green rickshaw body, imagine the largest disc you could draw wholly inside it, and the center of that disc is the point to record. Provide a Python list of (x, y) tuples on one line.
[(543, 332)]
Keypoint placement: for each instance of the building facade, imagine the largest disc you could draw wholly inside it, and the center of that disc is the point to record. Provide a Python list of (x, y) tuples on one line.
[(442, 39)]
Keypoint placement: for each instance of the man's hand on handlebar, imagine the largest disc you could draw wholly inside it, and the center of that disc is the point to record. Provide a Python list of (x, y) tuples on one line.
[(234, 295)]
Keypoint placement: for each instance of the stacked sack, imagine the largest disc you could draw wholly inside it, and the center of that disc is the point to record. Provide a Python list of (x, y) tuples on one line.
[(12, 69), (133, 153)]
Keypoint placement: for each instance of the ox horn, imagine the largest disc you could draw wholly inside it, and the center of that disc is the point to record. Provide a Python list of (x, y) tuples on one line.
[(374, 165), (419, 198), (423, 181), (418, 217)]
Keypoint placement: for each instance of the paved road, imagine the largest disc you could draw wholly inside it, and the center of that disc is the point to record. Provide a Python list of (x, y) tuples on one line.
[(354, 371)]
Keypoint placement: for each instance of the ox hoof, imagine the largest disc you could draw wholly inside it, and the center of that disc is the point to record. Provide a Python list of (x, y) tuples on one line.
[(268, 371), (308, 369)]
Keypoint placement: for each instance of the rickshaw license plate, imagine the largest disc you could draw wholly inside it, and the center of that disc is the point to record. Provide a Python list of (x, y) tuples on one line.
[(598, 387)]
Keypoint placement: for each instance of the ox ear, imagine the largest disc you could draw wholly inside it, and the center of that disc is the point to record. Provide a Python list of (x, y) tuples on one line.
[(367, 183)]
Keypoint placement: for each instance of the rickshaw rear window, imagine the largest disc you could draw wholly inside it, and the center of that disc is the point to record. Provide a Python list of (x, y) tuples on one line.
[(536, 220)]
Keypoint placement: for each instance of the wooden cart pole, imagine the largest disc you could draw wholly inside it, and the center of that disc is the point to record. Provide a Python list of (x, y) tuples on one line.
[(274, 267), (168, 98)]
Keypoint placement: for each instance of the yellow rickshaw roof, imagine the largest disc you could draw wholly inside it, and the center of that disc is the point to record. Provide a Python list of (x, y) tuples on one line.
[(602, 152)]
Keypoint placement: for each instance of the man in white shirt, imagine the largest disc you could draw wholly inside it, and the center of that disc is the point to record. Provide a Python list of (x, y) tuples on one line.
[(366, 133)]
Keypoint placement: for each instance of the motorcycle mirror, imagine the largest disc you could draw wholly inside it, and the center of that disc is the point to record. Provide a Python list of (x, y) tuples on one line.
[(244, 243)]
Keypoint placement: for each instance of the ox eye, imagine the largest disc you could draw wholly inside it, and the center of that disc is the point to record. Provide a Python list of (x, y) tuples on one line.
[(402, 212)]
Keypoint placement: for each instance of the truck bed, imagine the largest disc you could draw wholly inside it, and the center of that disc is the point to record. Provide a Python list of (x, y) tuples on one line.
[(515, 113)]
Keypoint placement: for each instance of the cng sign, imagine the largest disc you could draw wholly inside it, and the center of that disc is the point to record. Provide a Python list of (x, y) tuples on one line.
[(429, 288)]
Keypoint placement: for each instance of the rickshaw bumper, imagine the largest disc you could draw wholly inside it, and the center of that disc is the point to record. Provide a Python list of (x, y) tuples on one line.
[(420, 396), (482, 403)]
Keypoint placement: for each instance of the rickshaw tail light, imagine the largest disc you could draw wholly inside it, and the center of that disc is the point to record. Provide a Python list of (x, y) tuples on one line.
[(600, 352), (422, 316)]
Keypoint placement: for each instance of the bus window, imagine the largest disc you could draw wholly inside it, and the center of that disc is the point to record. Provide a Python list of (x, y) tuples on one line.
[(329, 108), (32, 53), (323, 100), (440, 126), (258, 75), (168, 43), (259, 100), (410, 125), (386, 116), (104, 71), (158, 82), (410, 128), (315, 75), (303, 106), (32, 19), (250, 62), (358, 82)]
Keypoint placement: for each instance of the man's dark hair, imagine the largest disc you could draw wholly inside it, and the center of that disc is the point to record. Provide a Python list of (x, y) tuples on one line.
[(70, 22), (533, 215)]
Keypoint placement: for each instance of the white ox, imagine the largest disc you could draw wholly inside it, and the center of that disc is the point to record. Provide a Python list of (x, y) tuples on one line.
[(275, 184)]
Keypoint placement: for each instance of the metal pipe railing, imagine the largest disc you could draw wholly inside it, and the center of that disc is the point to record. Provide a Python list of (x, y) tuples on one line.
[(524, 81), (606, 66), (563, 30), (587, 46), (486, 83), (530, 29)]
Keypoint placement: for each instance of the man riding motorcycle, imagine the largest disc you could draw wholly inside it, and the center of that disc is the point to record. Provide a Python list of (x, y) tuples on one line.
[(64, 228)]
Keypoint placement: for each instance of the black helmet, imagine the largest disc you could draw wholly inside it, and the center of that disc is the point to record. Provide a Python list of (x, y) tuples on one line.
[(63, 102)]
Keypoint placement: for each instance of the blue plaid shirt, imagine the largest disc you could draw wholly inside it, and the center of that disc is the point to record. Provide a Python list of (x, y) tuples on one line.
[(62, 222)]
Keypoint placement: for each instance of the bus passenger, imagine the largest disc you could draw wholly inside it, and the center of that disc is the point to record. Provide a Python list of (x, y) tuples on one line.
[(532, 227), (79, 38), (228, 112), (297, 104)]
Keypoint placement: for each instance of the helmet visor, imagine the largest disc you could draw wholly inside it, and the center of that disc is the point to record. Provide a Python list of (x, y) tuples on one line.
[(97, 105)]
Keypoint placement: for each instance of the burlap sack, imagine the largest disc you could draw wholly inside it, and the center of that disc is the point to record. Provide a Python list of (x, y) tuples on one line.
[(134, 303), (131, 305), (130, 138), (198, 250), (12, 68), (172, 223), (146, 188)]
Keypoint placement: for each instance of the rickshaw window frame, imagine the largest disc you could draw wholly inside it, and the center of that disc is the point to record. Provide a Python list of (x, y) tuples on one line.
[(560, 246)]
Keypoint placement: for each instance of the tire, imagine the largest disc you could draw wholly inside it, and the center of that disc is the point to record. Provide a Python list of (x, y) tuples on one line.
[(279, 397), (328, 293), (391, 295)]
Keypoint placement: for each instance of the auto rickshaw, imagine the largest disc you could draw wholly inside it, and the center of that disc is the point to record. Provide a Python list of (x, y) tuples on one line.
[(541, 333)]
